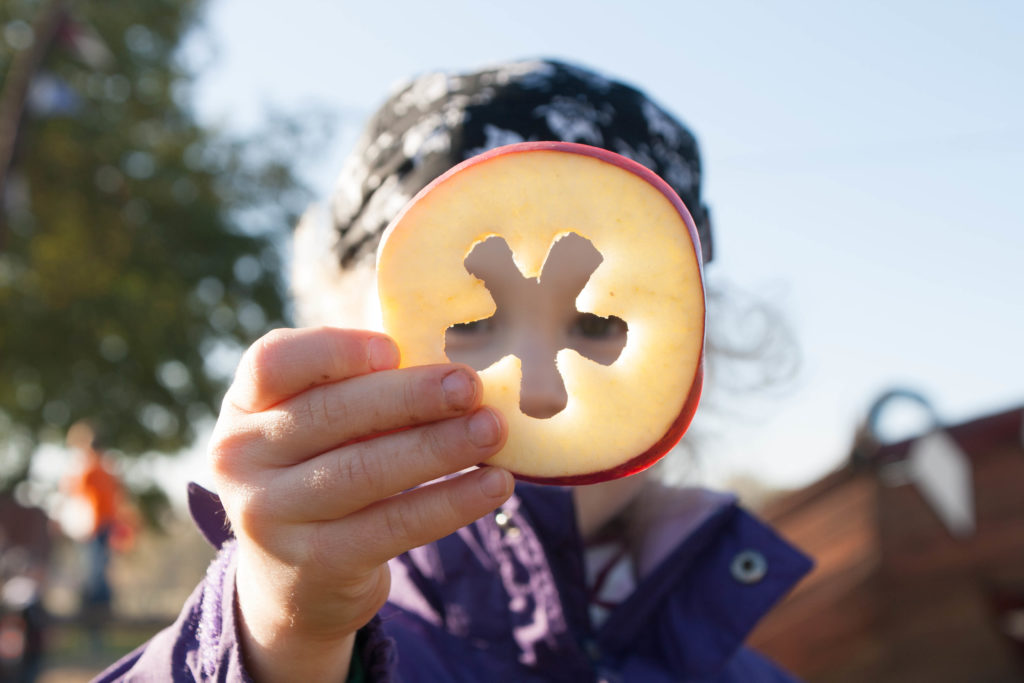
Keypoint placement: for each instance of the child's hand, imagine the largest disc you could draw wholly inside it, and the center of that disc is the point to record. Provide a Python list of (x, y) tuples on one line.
[(318, 506)]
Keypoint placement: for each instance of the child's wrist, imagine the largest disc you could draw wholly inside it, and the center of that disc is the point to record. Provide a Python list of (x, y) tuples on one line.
[(275, 648)]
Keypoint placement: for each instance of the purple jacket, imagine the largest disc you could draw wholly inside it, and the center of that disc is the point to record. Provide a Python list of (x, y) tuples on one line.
[(504, 600)]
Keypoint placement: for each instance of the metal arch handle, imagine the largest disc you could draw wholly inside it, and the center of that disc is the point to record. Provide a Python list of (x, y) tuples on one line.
[(867, 441)]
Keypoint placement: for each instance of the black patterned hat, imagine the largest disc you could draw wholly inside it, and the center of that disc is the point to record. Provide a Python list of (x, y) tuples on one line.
[(440, 119)]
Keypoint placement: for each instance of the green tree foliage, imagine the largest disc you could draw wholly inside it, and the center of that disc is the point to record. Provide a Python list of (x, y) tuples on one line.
[(139, 250)]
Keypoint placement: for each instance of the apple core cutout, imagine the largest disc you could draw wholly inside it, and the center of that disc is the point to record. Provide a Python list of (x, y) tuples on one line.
[(536, 317)]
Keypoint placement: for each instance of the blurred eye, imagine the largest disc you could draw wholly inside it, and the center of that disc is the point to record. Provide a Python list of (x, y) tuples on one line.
[(474, 327), (593, 326)]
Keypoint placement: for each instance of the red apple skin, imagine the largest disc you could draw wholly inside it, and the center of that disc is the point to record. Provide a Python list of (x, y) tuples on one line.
[(675, 431)]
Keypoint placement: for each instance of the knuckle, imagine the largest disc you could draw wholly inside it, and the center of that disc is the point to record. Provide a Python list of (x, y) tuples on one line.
[(250, 510), (371, 591), (320, 408), (432, 441), (278, 425), (358, 469), (450, 508), (227, 451), (272, 340), (343, 353), (409, 400), (378, 590), (259, 359), (399, 523), (321, 549), (364, 593), (333, 410), (302, 412)]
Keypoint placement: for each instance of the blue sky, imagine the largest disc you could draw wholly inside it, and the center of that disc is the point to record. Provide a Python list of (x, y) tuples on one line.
[(863, 161)]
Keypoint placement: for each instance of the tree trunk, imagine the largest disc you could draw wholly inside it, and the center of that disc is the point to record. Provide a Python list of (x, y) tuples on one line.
[(15, 90)]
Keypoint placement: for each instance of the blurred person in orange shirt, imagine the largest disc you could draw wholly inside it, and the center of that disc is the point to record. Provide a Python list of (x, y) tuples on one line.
[(95, 518)]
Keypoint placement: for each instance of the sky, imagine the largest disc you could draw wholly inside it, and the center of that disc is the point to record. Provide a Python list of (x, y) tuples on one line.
[(863, 163)]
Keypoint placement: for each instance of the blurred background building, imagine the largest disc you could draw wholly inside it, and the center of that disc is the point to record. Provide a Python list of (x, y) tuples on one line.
[(920, 559)]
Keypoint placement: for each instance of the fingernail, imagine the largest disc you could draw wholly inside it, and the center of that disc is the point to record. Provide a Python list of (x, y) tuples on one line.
[(459, 389), (483, 428), (494, 483), (383, 354)]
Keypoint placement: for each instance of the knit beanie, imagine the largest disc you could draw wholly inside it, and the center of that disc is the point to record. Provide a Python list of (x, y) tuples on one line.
[(440, 119)]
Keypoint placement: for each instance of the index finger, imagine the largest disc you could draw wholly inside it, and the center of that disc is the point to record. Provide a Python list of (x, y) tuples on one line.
[(286, 362)]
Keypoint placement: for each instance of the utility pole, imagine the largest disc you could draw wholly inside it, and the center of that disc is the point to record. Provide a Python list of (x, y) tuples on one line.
[(14, 93)]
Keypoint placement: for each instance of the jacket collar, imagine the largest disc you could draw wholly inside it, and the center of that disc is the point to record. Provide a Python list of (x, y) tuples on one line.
[(709, 573)]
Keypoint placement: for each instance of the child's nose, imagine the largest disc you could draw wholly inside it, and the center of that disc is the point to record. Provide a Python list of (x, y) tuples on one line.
[(542, 393)]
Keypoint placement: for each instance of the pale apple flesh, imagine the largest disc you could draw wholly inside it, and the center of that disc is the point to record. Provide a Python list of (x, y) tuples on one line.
[(620, 418)]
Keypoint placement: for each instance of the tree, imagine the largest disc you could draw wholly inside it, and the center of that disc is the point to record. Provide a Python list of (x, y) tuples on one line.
[(137, 245)]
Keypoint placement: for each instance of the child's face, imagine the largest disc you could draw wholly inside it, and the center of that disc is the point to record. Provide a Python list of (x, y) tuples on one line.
[(535, 319)]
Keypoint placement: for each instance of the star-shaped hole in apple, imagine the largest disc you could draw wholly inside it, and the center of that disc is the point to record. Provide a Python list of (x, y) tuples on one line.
[(535, 318)]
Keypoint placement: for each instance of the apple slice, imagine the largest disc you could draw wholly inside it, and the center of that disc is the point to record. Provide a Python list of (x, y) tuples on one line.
[(620, 418)]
